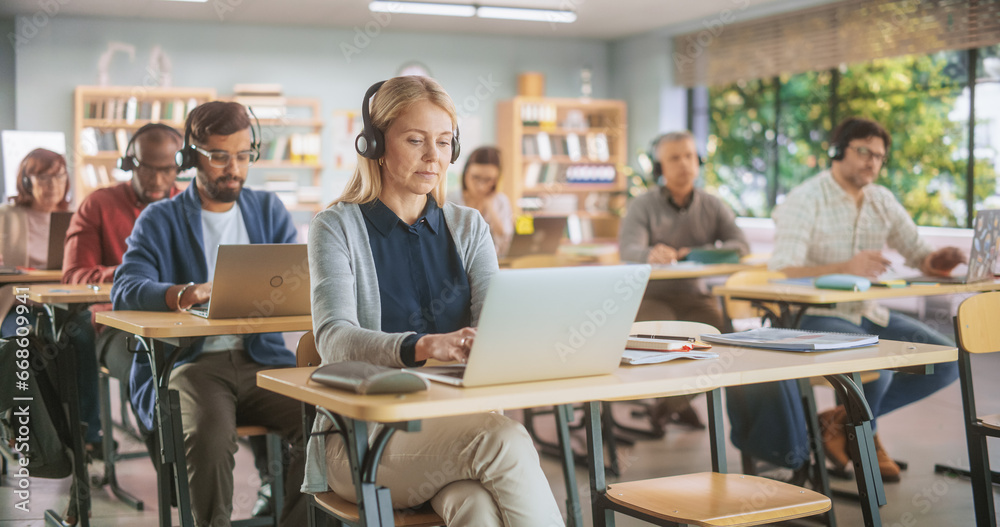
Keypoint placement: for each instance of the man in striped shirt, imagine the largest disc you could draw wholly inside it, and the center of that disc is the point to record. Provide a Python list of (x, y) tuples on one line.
[(840, 222)]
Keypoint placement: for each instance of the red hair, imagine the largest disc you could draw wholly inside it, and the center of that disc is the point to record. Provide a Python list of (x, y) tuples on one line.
[(39, 162)]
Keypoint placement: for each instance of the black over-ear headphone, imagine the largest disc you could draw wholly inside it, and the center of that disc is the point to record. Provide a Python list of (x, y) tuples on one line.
[(838, 149), (370, 143), (657, 166), (130, 162), (185, 157)]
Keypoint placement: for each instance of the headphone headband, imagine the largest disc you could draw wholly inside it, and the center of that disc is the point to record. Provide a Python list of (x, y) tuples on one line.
[(128, 163), (370, 143), (185, 157)]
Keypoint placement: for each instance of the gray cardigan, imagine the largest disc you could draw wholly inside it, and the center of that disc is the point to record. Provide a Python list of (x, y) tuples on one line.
[(346, 310)]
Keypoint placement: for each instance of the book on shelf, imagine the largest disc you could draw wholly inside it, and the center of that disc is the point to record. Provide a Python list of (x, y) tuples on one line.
[(531, 174), (257, 89), (573, 149), (544, 146), (154, 111), (793, 339)]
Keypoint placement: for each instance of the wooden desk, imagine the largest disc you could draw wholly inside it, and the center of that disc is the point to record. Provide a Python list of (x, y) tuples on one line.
[(679, 271), (61, 303), (793, 300), (155, 329), (31, 277), (735, 366)]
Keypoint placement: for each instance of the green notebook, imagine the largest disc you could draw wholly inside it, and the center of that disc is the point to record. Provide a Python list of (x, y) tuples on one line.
[(713, 256)]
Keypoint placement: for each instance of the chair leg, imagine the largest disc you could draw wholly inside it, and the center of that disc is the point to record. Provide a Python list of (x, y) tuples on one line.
[(276, 462), (574, 514)]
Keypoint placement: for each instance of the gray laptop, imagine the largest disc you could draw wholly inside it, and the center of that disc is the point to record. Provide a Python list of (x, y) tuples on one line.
[(259, 280), (58, 225), (548, 232), (543, 324), (982, 255)]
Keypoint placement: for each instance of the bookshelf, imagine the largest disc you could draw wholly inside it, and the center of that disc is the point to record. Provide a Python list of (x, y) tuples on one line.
[(291, 139), (565, 157), (104, 119)]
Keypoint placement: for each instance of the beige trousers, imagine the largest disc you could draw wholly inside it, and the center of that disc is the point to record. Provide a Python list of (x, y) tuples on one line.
[(218, 391), (477, 470)]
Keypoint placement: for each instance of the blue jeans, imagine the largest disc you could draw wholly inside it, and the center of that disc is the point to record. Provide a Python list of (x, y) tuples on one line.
[(894, 390), (81, 336)]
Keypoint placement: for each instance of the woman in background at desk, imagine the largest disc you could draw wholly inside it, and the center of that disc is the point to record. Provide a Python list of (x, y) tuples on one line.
[(399, 277), (42, 188), (479, 191)]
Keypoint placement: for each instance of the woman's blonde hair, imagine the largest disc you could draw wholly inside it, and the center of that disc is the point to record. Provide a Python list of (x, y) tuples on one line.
[(388, 103)]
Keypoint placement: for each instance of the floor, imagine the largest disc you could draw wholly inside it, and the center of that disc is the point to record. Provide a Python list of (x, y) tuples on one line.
[(923, 434)]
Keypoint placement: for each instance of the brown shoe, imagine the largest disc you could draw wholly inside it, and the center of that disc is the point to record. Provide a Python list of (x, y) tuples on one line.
[(886, 465), (831, 425)]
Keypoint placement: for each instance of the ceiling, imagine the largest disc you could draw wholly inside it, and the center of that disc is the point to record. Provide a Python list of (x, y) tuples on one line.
[(600, 19)]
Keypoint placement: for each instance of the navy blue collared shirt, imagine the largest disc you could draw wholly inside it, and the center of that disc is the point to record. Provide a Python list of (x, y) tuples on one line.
[(421, 280)]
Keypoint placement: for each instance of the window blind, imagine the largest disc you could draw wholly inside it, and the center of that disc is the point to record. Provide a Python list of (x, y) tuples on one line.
[(826, 36)]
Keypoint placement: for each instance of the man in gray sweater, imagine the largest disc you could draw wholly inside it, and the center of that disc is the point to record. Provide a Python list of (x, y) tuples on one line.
[(661, 227)]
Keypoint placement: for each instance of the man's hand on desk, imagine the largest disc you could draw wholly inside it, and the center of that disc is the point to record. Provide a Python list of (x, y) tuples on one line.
[(665, 254), (868, 264), (446, 347), (191, 295), (942, 261)]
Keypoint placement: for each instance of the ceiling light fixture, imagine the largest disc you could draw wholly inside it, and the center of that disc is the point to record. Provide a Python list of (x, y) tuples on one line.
[(470, 10), (422, 8), (519, 13)]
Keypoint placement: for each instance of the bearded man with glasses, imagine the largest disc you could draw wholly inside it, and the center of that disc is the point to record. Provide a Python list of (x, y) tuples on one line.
[(169, 265), (839, 221)]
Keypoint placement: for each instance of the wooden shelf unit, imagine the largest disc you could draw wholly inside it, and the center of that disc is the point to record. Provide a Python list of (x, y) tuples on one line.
[(303, 116), (601, 116), (107, 110)]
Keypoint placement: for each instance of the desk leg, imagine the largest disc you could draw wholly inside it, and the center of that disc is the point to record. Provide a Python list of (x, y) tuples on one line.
[(374, 505), (602, 515), (574, 514), (862, 447), (716, 432), (71, 406), (110, 456), (172, 456)]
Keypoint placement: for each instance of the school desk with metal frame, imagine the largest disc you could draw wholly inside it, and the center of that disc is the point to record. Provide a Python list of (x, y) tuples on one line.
[(156, 329), (793, 300), (61, 304), (735, 366)]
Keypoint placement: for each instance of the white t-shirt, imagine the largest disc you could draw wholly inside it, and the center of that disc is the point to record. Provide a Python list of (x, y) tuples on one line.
[(222, 228)]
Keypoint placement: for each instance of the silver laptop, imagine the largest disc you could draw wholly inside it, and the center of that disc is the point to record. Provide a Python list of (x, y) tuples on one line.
[(982, 255), (259, 280), (543, 324), (545, 238)]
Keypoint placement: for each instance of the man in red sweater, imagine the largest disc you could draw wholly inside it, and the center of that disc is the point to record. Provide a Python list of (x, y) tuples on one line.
[(95, 241)]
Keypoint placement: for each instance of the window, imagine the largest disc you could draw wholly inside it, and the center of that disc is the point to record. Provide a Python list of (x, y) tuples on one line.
[(766, 136)]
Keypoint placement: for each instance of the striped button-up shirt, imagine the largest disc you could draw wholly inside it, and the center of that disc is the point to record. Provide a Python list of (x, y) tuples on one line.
[(819, 223)]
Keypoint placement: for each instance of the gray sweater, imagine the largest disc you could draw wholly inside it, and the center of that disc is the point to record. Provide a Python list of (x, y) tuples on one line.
[(346, 309)]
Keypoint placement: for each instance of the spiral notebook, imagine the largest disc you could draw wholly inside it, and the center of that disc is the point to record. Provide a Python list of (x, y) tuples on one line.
[(793, 339)]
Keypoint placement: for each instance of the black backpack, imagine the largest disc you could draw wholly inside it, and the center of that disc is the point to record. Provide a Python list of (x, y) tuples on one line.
[(32, 422)]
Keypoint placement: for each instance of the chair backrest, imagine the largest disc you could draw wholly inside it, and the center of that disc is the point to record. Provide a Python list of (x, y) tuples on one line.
[(976, 323), (680, 328), (737, 309), (306, 353)]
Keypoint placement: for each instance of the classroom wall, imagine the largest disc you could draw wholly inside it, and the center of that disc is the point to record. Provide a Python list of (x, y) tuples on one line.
[(336, 65), (8, 101)]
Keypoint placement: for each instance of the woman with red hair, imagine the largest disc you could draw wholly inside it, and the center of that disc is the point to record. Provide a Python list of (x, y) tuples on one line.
[(42, 188)]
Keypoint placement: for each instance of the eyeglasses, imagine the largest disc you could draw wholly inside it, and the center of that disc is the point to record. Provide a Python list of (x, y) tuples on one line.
[(867, 154), (221, 159), (483, 180), (168, 170), (52, 179)]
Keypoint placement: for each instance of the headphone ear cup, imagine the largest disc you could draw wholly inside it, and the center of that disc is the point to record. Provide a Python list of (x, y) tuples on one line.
[(26, 183), (701, 161), (183, 158), (657, 169), (456, 148), (127, 163), (835, 153)]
